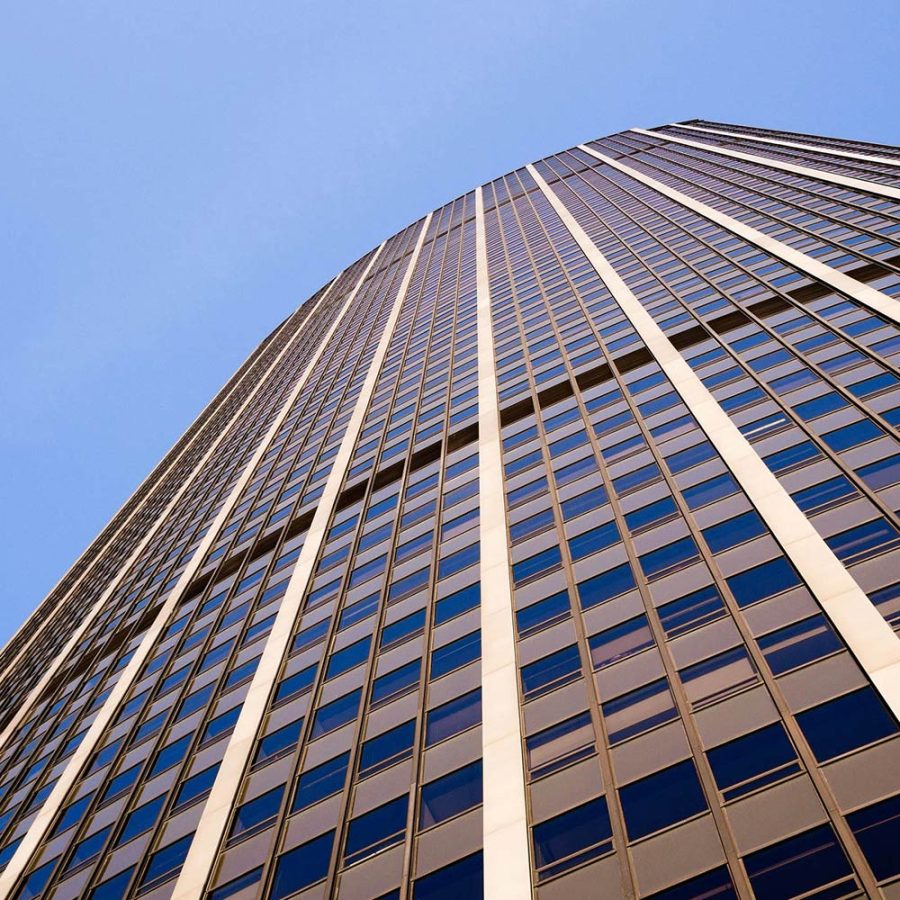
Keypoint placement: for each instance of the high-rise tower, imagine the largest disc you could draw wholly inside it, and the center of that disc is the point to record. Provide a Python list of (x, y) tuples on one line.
[(549, 550)]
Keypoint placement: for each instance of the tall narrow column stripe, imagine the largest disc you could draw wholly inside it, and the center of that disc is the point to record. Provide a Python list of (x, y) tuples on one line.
[(851, 612), (794, 145), (868, 296), (77, 635), (10, 668), (507, 861), (44, 819), (201, 857), (857, 184)]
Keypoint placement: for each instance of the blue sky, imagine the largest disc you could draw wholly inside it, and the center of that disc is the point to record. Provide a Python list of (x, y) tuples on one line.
[(176, 177)]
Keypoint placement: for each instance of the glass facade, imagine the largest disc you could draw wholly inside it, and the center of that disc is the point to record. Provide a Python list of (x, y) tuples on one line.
[(552, 549)]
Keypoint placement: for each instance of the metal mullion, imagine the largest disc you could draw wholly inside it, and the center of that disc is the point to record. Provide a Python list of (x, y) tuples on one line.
[(749, 641), (683, 705), (200, 866), (816, 439), (861, 865), (836, 279), (349, 792), (800, 229), (743, 168), (410, 850), (604, 757)]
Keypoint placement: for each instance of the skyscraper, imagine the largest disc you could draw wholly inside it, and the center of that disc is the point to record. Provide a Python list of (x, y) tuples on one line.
[(549, 550)]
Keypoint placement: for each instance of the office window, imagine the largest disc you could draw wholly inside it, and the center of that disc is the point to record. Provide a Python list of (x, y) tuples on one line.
[(375, 830), (453, 717), (877, 828), (384, 750), (166, 861), (761, 582), (662, 799), (798, 865), (551, 672), (714, 885), (450, 795), (302, 866), (320, 782), (456, 654), (798, 644), (559, 745), (753, 761), (545, 612), (691, 611), (638, 711), (620, 642), (335, 714), (250, 816), (572, 838), (719, 676), (464, 878), (863, 717)]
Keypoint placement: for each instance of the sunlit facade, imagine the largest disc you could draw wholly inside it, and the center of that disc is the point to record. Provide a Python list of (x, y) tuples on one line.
[(550, 550)]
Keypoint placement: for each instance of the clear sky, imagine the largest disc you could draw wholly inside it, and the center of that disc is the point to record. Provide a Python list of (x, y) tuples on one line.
[(176, 177)]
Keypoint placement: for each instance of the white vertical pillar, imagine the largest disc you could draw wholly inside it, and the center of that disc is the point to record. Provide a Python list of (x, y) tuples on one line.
[(862, 628), (44, 819), (862, 293), (816, 148), (507, 858), (856, 184), (201, 858)]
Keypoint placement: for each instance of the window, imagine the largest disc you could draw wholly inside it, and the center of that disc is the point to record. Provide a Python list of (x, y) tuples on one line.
[(691, 611), (863, 717), (621, 641), (236, 885), (594, 541), (714, 885), (302, 866), (457, 603), (141, 819), (321, 782), (792, 458), (250, 816), (296, 684), (386, 749), (335, 714), (753, 761), (453, 717), (863, 541), (170, 756), (852, 435), (559, 745), (572, 838), (36, 882), (551, 672), (693, 456), (732, 532), (639, 711), (882, 473), (584, 503), (456, 654), (195, 786), (662, 799), (464, 878), (824, 495), (605, 586), (650, 515), (114, 888), (221, 724), (545, 612), (667, 559), (799, 643), (373, 831), (72, 814), (348, 658), (397, 682), (354, 613), (403, 628), (877, 828), (542, 562), (167, 860), (87, 849), (763, 581), (719, 676), (458, 561), (798, 865), (450, 795), (275, 744)]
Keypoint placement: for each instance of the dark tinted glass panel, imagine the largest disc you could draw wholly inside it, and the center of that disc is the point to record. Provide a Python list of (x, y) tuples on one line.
[(551, 672), (799, 865), (302, 866), (752, 761), (385, 749), (571, 838), (141, 819), (336, 713), (605, 586), (691, 611), (766, 580), (639, 711), (375, 830), (451, 718), (277, 742), (464, 878), (714, 885), (320, 782), (456, 654), (877, 828), (799, 643), (621, 641), (167, 860), (450, 795), (256, 812), (863, 717), (662, 799), (560, 744), (236, 885)]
